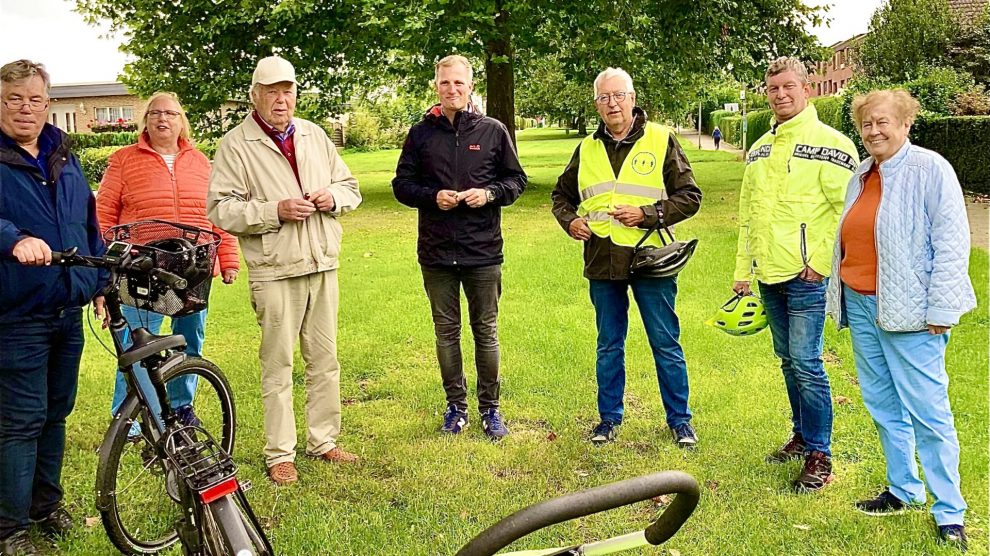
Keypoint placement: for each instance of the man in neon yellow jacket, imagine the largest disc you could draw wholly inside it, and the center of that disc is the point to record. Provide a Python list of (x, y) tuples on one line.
[(789, 206)]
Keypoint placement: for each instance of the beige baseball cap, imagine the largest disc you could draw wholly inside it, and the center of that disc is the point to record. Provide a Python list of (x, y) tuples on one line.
[(273, 69)]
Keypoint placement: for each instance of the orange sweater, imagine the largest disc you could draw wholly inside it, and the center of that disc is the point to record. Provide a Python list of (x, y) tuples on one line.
[(138, 186), (858, 268)]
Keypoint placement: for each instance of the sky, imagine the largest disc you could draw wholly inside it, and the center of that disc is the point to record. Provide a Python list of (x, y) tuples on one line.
[(76, 52)]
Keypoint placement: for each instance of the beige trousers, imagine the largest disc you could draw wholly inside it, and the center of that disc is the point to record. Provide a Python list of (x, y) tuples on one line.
[(303, 307)]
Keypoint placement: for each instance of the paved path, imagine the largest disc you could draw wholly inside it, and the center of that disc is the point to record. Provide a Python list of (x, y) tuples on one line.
[(977, 208)]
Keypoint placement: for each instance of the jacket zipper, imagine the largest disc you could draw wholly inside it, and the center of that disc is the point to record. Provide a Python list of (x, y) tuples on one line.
[(804, 246), (457, 185), (876, 246), (175, 186)]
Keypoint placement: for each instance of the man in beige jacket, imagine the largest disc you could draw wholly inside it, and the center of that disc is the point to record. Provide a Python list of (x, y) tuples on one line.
[(280, 186)]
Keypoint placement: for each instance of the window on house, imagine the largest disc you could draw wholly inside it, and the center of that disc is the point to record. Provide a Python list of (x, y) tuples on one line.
[(114, 113)]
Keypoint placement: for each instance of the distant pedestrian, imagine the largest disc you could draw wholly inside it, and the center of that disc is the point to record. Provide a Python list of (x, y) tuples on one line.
[(717, 136)]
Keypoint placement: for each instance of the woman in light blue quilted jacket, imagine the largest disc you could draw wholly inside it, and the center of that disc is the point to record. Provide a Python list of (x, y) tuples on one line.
[(900, 282)]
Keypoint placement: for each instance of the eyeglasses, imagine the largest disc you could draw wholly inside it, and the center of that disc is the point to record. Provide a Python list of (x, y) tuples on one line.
[(605, 98), (34, 105), (165, 114)]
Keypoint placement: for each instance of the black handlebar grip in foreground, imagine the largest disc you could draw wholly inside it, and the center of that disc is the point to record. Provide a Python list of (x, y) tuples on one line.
[(171, 280), (587, 502)]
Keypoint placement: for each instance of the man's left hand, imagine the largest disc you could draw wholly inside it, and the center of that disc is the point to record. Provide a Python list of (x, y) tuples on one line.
[(229, 275), (100, 309), (935, 329), (628, 216), (809, 275), (323, 200), (474, 198)]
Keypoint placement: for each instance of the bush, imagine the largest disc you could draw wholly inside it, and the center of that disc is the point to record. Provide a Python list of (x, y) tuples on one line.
[(960, 141), (208, 147), (94, 163), (974, 102), (830, 110), (90, 140)]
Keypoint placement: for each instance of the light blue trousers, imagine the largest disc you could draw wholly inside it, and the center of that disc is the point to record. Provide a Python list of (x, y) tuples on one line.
[(180, 390), (906, 389)]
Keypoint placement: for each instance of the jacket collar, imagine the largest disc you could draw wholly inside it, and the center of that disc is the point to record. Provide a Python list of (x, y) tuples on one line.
[(891, 165), (465, 119), (806, 116), (253, 131), (144, 143), (635, 132), (58, 149)]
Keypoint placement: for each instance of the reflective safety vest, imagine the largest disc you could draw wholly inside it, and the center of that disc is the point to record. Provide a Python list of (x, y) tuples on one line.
[(640, 182)]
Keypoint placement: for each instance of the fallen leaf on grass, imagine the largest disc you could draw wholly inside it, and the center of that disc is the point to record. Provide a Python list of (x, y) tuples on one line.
[(552, 436), (841, 400), (580, 473), (675, 552), (712, 485), (662, 500), (91, 521), (368, 255), (803, 527)]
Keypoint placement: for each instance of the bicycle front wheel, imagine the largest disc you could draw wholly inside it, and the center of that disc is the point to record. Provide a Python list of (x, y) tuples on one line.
[(137, 495)]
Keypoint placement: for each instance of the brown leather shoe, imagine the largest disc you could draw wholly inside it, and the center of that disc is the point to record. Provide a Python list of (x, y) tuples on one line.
[(283, 473), (338, 455)]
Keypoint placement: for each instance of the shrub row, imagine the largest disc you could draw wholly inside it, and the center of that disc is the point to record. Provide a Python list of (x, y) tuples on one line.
[(94, 160), (960, 140), (90, 140)]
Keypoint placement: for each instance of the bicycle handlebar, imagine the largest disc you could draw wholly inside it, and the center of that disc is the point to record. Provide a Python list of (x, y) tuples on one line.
[(140, 264), (599, 499)]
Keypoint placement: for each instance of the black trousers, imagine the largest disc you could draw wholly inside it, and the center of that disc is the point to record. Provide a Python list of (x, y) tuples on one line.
[(482, 287)]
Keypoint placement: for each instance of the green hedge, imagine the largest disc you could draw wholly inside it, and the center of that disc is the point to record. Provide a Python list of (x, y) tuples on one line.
[(960, 140), (94, 163), (91, 140)]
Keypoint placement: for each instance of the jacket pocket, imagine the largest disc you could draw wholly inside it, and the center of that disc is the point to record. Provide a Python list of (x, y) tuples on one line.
[(269, 243)]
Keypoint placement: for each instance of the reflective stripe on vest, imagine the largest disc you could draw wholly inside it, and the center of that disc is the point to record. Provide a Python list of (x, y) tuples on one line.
[(640, 182)]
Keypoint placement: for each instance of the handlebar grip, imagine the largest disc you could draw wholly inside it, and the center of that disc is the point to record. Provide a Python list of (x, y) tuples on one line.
[(173, 281), (61, 257), (587, 502)]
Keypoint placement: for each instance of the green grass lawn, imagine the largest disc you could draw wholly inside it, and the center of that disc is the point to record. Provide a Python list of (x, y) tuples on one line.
[(418, 493)]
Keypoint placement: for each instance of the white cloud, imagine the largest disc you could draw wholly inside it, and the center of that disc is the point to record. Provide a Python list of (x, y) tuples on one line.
[(849, 18)]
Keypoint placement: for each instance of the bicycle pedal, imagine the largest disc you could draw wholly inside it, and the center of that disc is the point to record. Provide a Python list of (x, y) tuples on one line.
[(245, 485)]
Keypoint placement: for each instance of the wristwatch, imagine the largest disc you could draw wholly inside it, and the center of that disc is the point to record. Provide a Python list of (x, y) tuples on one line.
[(491, 195)]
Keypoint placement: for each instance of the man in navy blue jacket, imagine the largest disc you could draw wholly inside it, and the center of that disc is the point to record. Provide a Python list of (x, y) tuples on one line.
[(45, 205), (459, 169)]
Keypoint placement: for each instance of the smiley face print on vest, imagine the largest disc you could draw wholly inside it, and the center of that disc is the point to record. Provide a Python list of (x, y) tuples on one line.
[(644, 163)]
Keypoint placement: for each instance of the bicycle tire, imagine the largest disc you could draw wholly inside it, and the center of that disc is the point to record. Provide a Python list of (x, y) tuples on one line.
[(229, 530), (144, 534)]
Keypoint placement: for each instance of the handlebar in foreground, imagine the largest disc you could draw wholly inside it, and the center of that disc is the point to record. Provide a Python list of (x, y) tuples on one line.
[(599, 499)]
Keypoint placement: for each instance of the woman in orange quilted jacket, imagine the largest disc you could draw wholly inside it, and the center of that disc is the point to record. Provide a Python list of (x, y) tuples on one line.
[(164, 177)]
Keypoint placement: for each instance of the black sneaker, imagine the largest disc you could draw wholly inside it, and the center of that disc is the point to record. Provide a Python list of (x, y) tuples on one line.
[(493, 425), (684, 435), (18, 544), (954, 535), (794, 448), (454, 420), (187, 416), (884, 504), (816, 474), (605, 432), (56, 524)]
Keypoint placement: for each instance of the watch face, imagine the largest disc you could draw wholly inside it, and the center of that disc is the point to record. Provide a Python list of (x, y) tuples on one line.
[(491, 195)]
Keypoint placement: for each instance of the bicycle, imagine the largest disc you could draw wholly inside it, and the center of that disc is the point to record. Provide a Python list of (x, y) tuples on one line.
[(174, 481)]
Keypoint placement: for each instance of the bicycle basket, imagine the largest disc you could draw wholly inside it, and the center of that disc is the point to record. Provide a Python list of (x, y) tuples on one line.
[(186, 251)]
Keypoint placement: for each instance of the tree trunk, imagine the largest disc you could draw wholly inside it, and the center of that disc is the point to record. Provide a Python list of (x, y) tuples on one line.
[(582, 125), (498, 72)]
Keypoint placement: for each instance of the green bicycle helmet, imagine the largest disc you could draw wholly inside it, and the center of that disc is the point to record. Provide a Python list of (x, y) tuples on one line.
[(743, 315)]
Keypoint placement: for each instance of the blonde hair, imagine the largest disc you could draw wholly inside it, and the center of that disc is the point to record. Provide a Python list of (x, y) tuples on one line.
[(143, 123), (788, 63), (24, 69), (609, 73), (905, 106), (451, 60)]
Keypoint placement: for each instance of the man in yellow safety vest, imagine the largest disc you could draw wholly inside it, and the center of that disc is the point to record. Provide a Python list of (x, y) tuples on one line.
[(621, 181)]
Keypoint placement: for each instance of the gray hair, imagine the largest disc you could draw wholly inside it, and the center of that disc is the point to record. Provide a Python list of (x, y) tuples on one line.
[(788, 63), (609, 73), (24, 69), (451, 60)]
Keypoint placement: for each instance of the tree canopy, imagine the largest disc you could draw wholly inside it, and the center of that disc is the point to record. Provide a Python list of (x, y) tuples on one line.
[(205, 50)]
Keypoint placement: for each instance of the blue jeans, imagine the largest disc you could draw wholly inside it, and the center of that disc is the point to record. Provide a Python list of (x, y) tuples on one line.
[(796, 313), (655, 298), (39, 371), (180, 390), (906, 389)]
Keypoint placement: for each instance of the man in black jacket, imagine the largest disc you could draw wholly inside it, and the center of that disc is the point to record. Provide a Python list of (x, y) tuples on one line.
[(459, 168), (620, 182)]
